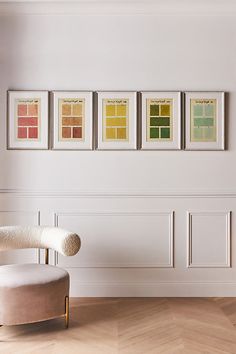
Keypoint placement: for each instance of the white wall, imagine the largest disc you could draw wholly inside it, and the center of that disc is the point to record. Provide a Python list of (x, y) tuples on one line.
[(131, 207)]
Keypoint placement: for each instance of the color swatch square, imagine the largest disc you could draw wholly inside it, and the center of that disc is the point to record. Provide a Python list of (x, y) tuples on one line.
[(110, 110), (165, 110), (154, 110), (66, 109), (154, 133), (165, 133), (198, 110)]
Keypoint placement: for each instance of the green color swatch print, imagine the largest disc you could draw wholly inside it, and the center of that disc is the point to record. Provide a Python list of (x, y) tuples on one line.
[(154, 133), (154, 110), (159, 119), (203, 120)]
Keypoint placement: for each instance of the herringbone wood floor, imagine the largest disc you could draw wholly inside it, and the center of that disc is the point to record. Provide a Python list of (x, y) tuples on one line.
[(131, 326)]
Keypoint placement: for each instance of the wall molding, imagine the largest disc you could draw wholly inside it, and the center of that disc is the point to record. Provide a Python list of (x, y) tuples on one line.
[(35, 213), (227, 215), (170, 215), (14, 211), (27, 193), (119, 7)]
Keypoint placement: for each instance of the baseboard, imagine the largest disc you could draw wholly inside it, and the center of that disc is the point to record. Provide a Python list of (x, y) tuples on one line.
[(160, 289)]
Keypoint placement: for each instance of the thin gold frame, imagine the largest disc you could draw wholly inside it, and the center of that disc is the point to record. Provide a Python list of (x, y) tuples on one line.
[(67, 309)]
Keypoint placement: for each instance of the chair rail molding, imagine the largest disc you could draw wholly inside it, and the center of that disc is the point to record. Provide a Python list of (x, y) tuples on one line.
[(119, 7), (33, 193)]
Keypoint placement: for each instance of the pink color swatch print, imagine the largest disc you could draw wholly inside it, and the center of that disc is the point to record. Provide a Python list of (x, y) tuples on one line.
[(27, 119)]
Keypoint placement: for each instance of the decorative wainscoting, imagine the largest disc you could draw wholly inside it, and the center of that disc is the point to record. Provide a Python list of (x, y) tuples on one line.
[(209, 228), (121, 239), (135, 245)]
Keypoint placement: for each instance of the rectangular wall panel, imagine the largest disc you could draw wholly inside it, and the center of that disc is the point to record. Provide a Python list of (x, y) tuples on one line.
[(11, 218), (209, 239), (116, 239)]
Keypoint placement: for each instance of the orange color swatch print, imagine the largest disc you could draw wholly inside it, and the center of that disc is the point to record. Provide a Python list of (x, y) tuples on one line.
[(71, 119)]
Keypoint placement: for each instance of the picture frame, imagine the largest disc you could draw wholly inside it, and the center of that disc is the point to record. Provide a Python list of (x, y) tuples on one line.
[(160, 120), (205, 120), (72, 114), (117, 120), (27, 115)]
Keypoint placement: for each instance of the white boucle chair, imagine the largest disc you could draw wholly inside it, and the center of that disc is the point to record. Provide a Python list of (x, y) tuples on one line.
[(35, 292)]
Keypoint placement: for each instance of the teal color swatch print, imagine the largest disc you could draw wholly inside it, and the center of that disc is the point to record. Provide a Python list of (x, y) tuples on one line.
[(203, 120)]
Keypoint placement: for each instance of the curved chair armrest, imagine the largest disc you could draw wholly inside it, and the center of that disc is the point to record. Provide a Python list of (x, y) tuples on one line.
[(60, 240)]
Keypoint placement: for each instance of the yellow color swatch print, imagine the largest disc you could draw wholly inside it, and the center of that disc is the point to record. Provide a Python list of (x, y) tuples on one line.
[(115, 119)]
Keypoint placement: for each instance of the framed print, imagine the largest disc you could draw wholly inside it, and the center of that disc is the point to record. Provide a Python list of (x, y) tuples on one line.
[(72, 120), (161, 120), (27, 120), (117, 120), (204, 121)]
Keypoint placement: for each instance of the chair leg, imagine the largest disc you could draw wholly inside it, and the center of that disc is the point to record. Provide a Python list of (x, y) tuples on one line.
[(67, 311)]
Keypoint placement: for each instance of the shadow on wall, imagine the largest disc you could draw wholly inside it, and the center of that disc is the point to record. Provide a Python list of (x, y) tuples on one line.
[(17, 45), (227, 121)]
